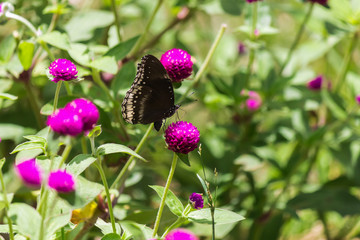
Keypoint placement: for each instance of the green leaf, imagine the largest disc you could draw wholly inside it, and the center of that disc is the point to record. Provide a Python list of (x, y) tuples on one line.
[(222, 216), (35, 138), (341, 9), (173, 203), (80, 53), (4, 228), (7, 48), (232, 7), (56, 39), (2, 162), (122, 49), (8, 96), (9, 198), (105, 227), (22, 214), (105, 64), (110, 148), (184, 158), (25, 54), (13, 132), (79, 163), (333, 106), (82, 26), (95, 132), (59, 8), (203, 184), (28, 146), (111, 236), (85, 192)]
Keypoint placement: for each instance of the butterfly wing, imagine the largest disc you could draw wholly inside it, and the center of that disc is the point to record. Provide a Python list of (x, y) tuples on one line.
[(151, 96)]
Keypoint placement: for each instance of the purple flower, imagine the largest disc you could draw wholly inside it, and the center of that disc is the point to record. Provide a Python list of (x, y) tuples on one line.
[(29, 172), (358, 99), (1, 8), (253, 101), (196, 200), (62, 70), (180, 234), (316, 83), (177, 63), (250, 1), (241, 48), (322, 2), (65, 122), (182, 137), (86, 110), (61, 181)]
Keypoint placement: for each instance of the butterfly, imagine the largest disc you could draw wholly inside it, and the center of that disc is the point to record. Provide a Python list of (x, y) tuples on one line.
[(151, 96)]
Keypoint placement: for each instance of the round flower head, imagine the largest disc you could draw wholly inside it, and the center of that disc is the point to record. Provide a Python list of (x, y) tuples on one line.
[(86, 110), (253, 101), (241, 48), (65, 122), (358, 99), (177, 63), (180, 234), (196, 200), (182, 137), (29, 172), (62, 70), (61, 181), (322, 2), (316, 83)]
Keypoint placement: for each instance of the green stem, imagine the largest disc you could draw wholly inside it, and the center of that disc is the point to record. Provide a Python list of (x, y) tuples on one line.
[(46, 48), (213, 222), (117, 21), (322, 217), (345, 65), (137, 46), (68, 89), (23, 21), (34, 105), (206, 62), (127, 168), (83, 145), (163, 198), (297, 38), (252, 50), (176, 224), (65, 154), (56, 97), (42, 210), (108, 198), (7, 205)]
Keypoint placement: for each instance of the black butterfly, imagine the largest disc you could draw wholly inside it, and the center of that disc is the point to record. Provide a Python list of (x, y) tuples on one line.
[(151, 96)]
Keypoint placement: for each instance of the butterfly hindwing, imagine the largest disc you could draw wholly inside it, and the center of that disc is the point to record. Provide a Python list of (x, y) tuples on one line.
[(151, 96)]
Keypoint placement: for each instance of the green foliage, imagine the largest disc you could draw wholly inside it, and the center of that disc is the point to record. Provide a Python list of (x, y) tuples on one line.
[(173, 203)]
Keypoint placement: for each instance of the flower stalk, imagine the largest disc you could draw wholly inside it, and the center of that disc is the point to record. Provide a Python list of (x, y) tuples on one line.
[(6, 202), (163, 198)]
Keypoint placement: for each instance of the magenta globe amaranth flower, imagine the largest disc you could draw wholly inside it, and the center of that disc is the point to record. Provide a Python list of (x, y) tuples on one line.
[(180, 234), (65, 122), (182, 137), (322, 2), (196, 200), (316, 83), (86, 110), (29, 172), (358, 99), (177, 63), (253, 100), (61, 181), (62, 70)]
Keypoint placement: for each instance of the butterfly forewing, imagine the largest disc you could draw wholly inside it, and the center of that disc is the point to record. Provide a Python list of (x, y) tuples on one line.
[(151, 96)]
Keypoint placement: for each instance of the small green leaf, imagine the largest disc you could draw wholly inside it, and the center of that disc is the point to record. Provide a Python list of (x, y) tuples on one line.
[(203, 184), (105, 227), (2, 161), (79, 163), (35, 138), (7, 48), (9, 198), (111, 236), (110, 148), (8, 96), (232, 7), (95, 132), (59, 8), (56, 39), (222, 216), (171, 200), (122, 49), (105, 64), (333, 106), (184, 158), (85, 192), (25, 54), (28, 146), (22, 213)]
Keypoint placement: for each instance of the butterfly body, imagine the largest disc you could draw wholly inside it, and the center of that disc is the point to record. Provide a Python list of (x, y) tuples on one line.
[(151, 96)]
